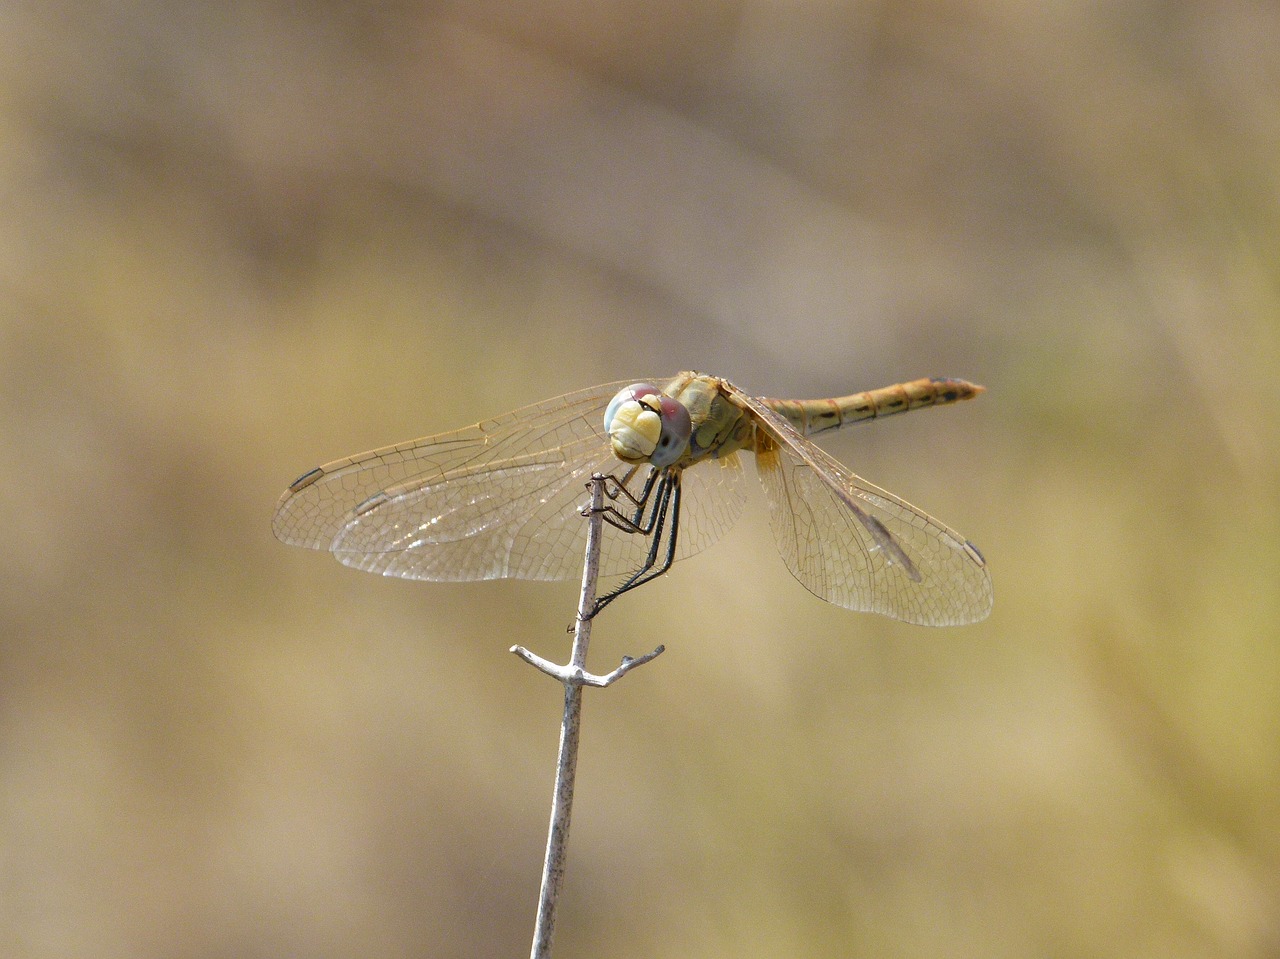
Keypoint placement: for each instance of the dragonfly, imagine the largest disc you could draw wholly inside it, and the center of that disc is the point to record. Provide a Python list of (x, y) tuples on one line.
[(505, 498)]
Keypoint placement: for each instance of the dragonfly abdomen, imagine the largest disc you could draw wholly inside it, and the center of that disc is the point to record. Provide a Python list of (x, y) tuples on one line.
[(818, 416)]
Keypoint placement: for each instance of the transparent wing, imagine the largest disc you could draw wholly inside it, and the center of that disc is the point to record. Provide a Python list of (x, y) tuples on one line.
[(501, 499), (856, 545)]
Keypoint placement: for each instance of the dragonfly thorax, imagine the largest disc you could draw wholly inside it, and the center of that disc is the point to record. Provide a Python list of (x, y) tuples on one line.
[(718, 425)]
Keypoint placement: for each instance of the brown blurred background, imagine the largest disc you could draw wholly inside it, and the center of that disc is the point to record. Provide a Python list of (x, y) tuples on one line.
[(238, 240)]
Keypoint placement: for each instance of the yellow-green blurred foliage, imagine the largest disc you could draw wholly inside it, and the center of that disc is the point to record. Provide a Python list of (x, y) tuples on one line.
[(241, 239)]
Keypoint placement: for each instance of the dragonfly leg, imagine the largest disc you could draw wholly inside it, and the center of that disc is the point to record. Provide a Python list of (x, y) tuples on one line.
[(616, 488), (668, 503)]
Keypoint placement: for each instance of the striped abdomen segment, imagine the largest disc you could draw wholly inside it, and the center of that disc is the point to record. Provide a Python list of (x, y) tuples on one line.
[(818, 416)]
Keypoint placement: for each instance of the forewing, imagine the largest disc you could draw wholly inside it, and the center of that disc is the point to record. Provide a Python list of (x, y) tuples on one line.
[(318, 505), (499, 499), (856, 545)]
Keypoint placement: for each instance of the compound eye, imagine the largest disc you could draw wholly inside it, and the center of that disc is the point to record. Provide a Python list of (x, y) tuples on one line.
[(646, 426), (676, 429)]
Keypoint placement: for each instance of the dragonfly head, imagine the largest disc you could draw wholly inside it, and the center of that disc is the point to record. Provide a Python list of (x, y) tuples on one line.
[(647, 426)]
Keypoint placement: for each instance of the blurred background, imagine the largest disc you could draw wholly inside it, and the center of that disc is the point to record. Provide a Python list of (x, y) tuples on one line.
[(241, 239)]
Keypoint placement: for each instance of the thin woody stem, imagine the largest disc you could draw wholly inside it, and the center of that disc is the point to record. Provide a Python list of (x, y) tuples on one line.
[(570, 727), (574, 676)]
